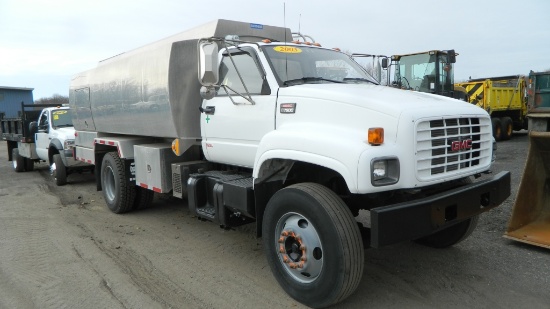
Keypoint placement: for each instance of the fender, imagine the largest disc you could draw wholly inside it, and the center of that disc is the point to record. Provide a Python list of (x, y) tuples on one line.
[(56, 144), (338, 149)]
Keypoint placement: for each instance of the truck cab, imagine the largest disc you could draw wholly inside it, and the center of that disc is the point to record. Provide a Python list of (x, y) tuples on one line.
[(430, 72)]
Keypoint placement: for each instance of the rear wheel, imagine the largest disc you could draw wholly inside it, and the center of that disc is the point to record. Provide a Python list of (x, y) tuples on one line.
[(29, 165), (497, 128), (118, 192), (507, 128), (18, 161), (313, 244), (59, 171), (144, 198)]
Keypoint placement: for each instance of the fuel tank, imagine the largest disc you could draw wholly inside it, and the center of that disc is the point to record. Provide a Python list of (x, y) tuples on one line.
[(154, 90)]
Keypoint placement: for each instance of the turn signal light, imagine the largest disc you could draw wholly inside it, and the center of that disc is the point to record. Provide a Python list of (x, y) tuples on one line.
[(376, 136)]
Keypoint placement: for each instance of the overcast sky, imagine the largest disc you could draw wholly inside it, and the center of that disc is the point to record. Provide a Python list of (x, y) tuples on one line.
[(43, 43)]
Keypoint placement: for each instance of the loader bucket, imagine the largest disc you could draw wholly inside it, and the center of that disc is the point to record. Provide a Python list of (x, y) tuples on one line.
[(530, 220)]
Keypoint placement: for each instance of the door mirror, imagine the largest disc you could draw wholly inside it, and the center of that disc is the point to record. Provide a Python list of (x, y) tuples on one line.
[(451, 56), (43, 127), (385, 63), (208, 63)]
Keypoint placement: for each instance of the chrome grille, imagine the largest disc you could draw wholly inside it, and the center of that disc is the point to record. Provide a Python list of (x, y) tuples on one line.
[(452, 145)]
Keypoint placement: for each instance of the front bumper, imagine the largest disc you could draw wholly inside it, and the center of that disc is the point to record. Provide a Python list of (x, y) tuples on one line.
[(412, 220)]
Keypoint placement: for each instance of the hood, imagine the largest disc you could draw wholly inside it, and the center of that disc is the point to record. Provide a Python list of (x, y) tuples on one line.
[(65, 133), (384, 99)]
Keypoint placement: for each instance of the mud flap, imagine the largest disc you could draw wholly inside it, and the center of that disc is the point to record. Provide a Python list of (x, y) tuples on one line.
[(530, 220)]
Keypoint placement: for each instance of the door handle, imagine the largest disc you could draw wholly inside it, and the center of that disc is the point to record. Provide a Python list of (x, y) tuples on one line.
[(209, 110)]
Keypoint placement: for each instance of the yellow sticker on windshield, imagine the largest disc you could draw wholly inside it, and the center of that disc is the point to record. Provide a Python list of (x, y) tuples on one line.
[(55, 117), (287, 49), (59, 112)]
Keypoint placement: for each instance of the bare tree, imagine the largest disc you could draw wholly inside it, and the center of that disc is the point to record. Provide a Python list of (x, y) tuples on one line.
[(55, 99)]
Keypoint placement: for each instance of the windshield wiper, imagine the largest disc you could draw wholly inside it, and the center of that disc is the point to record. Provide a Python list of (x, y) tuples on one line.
[(304, 80), (359, 80)]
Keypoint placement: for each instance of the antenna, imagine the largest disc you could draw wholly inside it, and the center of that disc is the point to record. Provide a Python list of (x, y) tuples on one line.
[(284, 17)]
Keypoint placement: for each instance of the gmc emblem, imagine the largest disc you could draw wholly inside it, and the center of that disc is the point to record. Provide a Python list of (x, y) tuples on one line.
[(461, 145)]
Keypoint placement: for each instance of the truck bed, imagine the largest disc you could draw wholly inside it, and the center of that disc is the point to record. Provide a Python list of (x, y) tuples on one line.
[(17, 129)]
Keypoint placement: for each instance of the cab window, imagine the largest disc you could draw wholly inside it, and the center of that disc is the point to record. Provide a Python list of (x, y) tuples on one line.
[(246, 63)]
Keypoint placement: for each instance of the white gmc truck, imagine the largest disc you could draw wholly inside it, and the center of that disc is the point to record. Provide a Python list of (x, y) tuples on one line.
[(249, 126)]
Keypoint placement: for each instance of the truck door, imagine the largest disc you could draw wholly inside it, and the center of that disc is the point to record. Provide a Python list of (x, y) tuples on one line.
[(42, 139), (232, 126)]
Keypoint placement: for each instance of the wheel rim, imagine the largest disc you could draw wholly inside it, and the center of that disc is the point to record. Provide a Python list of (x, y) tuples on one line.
[(109, 183), (298, 247)]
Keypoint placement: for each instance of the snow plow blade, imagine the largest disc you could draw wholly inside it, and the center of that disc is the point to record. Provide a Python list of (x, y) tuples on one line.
[(530, 220)]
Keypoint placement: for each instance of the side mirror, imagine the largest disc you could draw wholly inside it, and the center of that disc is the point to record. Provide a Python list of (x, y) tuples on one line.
[(377, 71), (451, 56), (43, 127), (385, 63), (208, 63)]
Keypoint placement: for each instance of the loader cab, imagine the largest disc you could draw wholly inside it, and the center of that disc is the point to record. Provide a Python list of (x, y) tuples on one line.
[(430, 72)]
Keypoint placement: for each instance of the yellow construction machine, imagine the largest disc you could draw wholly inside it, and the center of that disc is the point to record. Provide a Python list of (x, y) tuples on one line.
[(530, 220)]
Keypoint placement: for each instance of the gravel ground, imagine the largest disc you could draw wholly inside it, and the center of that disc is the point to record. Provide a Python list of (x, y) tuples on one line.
[(60, 247)]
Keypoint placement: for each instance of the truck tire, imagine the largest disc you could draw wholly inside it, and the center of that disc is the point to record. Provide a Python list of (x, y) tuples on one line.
[(18, 161), (453, 234), (507, 128), (497, 128), (118, 192), (59, 171), (144, 198), (313, 244), (29, 165)]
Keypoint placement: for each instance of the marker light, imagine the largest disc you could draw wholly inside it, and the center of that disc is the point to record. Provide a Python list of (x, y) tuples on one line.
[(266, 40), (376, 136), (176, 147)]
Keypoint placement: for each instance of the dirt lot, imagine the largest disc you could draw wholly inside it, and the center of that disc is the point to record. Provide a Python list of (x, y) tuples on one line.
[(60, 247)]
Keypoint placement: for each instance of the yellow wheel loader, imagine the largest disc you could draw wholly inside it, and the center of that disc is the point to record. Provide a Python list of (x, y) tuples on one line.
[(530, 220)]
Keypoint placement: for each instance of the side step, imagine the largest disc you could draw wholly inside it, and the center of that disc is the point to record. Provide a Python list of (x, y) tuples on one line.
[(226, 198)]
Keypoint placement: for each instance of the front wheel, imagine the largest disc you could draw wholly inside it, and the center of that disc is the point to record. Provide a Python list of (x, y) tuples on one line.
[(118, 192), (453, 234), (59, 171), (313, 244)]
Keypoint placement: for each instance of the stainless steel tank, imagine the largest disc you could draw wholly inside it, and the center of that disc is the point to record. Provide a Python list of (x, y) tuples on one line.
[(153, 90)]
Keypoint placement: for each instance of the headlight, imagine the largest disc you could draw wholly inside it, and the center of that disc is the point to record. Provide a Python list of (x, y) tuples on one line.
[(384, 171), (68, 144)]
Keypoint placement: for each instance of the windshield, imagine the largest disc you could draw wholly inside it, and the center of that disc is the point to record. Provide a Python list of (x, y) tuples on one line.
[(61, 118), (302, 64)]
